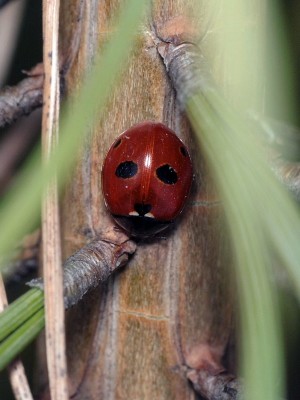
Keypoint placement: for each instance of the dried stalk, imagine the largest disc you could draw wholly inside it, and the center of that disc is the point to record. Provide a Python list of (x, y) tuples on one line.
[(54, 307), (16, 370)]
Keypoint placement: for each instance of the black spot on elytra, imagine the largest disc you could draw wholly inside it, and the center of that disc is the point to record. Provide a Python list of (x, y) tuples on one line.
[(126, 169), (167, 174), (183, 151), (118, 142)]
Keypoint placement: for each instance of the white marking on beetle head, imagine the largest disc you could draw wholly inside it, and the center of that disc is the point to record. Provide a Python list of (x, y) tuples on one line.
[(134, 213), (149, 215)]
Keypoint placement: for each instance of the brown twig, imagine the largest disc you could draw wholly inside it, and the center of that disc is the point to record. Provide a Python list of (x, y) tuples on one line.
[(182, 62), (93, 264), (215, 386), (21, 99)]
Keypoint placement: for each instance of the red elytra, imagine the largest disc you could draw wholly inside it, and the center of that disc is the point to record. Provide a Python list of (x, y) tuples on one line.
[(146, 178)]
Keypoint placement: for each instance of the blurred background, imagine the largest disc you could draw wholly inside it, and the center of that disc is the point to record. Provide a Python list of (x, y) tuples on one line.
[(21, 49)]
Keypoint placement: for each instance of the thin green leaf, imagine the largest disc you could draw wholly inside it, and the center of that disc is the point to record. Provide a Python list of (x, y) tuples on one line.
[(244, 181), (21, 338), (19, 311)]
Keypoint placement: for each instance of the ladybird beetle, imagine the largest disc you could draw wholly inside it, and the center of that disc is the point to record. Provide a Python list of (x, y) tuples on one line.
[(146, 178)]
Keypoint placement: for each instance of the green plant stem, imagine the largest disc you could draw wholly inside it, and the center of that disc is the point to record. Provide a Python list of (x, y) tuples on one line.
[(17, 341), (20, 311)]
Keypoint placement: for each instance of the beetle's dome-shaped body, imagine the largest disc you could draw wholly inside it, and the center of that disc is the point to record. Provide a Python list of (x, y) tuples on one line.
[(146, 178)]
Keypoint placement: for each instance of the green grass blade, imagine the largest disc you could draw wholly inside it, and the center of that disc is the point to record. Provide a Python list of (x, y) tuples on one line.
[(244, 180), (16, 342), (260, 214), (19, 311)]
